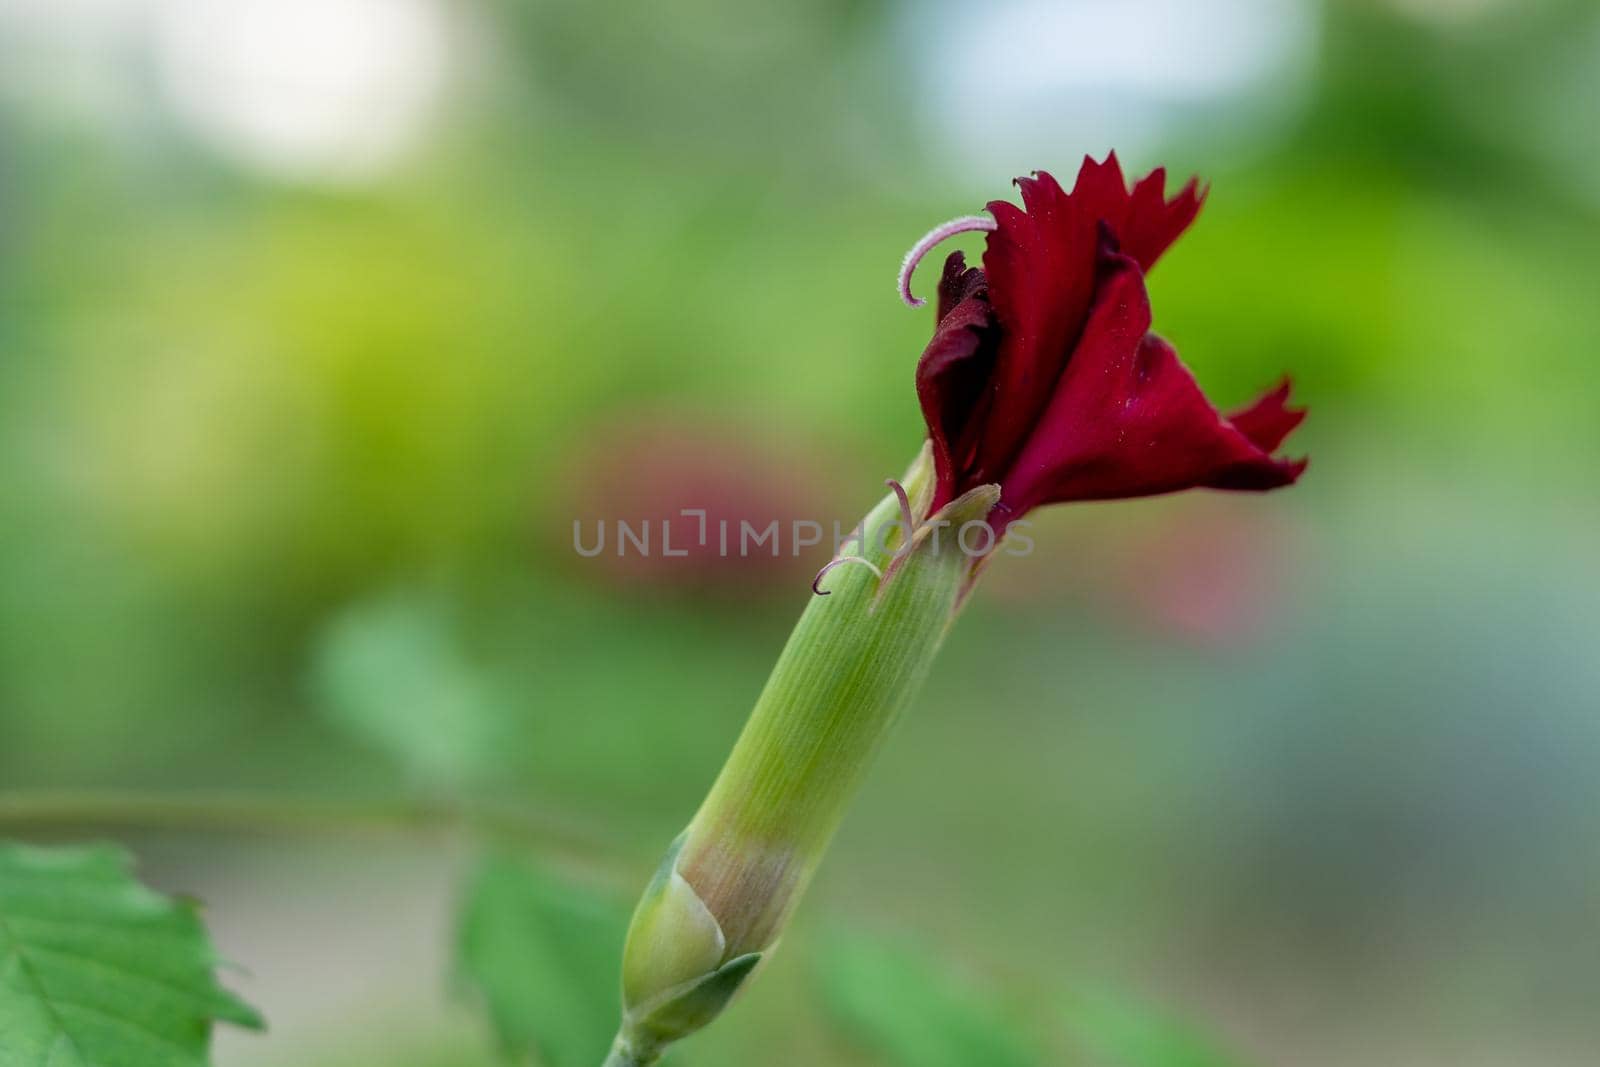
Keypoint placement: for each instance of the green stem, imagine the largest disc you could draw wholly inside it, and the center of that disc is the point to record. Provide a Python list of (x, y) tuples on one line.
[(856, 658), (852, 664)]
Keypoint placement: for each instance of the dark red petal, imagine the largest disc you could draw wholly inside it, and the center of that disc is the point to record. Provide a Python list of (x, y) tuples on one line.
[(1101, 190), (1041, 266), (1269, 420), (1153, 222), (1143, 221), (957, 283), (953, 373), (1127, 418)]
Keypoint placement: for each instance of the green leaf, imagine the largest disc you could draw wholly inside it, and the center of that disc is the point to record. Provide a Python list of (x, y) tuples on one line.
[(393, 674), (1121, 1031), (912, 1012), (96, 970), (545, 956)]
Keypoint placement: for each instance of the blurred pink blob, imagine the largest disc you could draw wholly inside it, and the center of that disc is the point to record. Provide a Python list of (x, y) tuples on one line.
[(1215, 573), (647, 471)]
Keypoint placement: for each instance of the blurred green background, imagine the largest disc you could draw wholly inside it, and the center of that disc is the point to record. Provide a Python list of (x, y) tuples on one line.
[(321, 321)]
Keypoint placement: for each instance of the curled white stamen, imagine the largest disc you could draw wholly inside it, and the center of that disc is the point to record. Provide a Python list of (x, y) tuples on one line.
[(905, 511), (930, 240), (840, 562)]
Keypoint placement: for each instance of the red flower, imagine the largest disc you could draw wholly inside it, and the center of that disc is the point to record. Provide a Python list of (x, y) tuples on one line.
[(1043, 374)]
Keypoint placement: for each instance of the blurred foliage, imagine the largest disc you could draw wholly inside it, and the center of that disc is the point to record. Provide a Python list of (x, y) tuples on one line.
[(391, 673), (1121, 1032), (543, 956), (908, 1009)]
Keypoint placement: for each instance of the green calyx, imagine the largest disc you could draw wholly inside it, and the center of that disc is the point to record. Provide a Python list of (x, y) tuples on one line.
[(858, 654), (674, 975)]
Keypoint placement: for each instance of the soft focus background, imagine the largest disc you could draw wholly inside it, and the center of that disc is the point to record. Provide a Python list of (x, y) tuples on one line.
[(321, 321)]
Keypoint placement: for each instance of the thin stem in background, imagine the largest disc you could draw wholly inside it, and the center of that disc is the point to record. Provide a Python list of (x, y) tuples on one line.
[(34, 810)]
